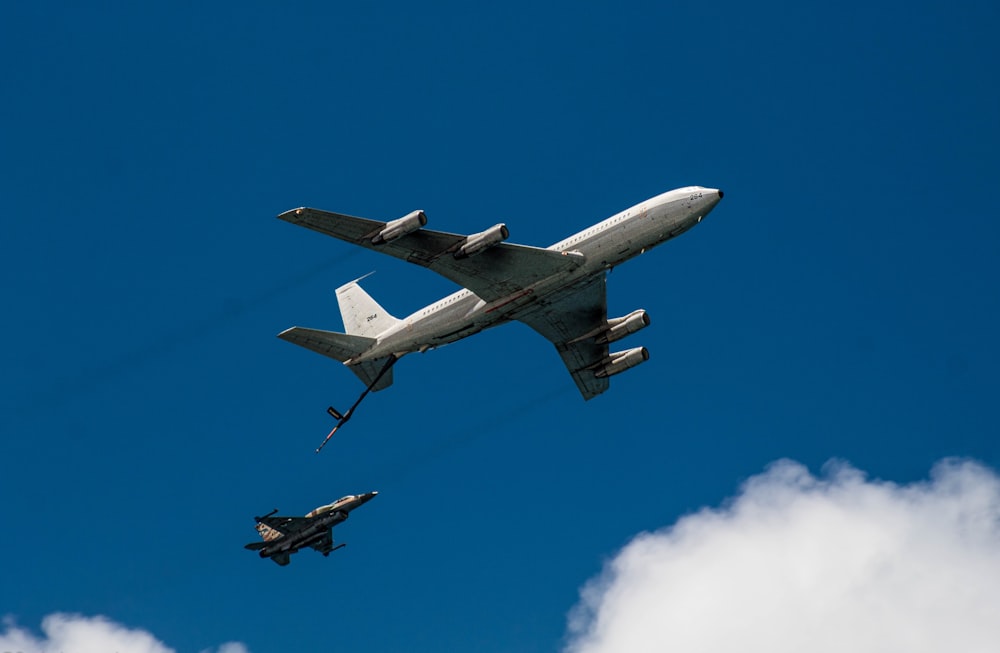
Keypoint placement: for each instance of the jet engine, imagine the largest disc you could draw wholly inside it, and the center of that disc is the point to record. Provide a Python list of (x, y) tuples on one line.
[(397, 228), (483, 240), (620, 361), (620, 327)]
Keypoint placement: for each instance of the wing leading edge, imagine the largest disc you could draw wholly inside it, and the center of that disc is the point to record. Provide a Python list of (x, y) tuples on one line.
[(285, 525), (568, 321), (492, 274)]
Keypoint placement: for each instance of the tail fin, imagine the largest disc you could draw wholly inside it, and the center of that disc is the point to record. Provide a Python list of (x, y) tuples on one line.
[(362, 315)]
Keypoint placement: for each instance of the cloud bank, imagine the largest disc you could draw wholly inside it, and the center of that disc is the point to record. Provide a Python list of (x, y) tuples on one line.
[(799, 563), (68, 633)]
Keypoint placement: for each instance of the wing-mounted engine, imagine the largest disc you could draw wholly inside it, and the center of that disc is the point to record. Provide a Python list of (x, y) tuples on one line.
[(483, 240), (620, 361), (619, 327), (398, 228)]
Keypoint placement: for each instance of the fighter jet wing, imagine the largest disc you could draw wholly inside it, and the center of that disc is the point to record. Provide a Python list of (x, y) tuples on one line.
[(566, 320), (495, 273), (285, 525), (325, 544)]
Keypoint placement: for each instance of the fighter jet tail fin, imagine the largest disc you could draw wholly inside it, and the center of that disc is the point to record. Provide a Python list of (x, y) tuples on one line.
[(362, 315)]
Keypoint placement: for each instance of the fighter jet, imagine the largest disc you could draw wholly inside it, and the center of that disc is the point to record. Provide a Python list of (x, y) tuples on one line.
[(284, 536), (558, 291)]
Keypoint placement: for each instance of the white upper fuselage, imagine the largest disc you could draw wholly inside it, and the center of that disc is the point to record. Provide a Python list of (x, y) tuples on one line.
[(602, 246)]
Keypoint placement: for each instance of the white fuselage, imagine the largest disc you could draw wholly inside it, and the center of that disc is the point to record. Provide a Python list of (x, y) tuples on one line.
[(602, 246)]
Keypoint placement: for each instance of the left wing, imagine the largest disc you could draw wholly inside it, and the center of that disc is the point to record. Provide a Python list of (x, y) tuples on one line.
[(570, 321), (492, 274), (285, 525)]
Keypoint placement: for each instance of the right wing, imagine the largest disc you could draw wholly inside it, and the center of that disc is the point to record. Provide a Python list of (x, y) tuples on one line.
[(324, 545), (570, 321), (495, 273)]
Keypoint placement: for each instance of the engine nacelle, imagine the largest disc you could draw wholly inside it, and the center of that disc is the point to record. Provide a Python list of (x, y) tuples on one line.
[(483, 240), (620, 361), (623, 326), (397, 228)]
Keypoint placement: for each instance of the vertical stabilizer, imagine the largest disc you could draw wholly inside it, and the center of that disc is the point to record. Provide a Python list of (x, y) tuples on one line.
[(362, 315)]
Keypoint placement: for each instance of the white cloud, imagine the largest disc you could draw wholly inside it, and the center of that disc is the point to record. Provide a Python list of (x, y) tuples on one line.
[(70, 633), (231, 647), (800, 563)]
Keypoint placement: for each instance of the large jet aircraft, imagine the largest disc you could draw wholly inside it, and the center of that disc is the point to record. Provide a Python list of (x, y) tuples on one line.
[(558, 291), (283, 536)]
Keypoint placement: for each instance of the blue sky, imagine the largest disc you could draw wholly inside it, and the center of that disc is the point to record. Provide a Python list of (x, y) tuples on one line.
[(840, 303)]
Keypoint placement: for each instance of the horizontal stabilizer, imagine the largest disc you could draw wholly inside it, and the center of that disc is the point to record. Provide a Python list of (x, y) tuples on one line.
[(255, 546), (342, 347), (368, 371), (338, 346)]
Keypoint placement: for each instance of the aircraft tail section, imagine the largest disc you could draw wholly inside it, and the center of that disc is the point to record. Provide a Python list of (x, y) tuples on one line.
[(338, 346), (342, 347), (368, 371), (362, 315)]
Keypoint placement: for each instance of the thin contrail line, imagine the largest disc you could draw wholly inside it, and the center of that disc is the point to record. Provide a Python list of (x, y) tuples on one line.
[(71, 386), (463, 436)]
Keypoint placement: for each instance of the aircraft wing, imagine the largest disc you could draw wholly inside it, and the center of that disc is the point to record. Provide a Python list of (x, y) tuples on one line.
[(325, 544), (495, 273), (285, 525), (564, 320)]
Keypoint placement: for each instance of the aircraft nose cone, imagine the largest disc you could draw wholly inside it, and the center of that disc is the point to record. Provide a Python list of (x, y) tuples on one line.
[(710, 200)]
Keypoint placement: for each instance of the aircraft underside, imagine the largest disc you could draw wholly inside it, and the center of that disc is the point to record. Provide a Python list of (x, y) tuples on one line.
[(559, 291)]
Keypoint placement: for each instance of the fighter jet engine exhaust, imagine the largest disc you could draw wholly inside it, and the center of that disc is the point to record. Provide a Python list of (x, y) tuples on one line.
[(483, 240), (620, 361), (399, 228), (624, 326)]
